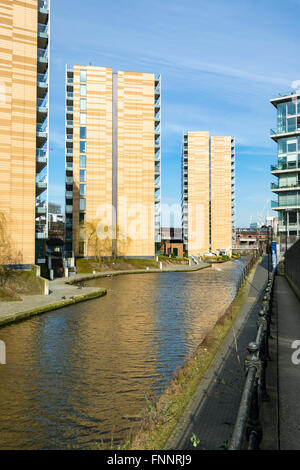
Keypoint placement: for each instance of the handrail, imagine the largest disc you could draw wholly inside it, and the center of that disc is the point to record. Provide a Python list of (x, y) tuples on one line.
[(247, 426)]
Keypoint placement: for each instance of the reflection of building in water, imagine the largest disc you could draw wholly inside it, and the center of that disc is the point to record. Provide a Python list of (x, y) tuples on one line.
[(56, 222)]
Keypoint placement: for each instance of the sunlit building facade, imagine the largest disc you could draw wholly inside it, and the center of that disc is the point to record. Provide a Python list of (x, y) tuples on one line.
[(24, 131), (112, 162), (208, 193)]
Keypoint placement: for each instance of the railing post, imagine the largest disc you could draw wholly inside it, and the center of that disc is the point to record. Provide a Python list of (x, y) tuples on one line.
[(254, 429), (263, 353)]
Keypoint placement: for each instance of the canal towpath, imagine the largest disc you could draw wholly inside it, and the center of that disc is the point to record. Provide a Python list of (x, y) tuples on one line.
[(211, 413)]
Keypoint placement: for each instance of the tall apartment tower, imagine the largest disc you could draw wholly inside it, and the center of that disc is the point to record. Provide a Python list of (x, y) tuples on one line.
[(112, 162), (208, 193), (24, 30), (287, 169)]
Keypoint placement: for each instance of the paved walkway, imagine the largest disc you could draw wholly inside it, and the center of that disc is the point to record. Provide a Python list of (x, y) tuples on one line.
[(212, 411), (288, 318)]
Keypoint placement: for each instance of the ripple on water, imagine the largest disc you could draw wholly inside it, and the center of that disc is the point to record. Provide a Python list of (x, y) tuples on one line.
[(82, 373)]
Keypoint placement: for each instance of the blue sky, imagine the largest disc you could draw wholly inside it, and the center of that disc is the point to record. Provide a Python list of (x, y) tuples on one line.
[(220, 61)]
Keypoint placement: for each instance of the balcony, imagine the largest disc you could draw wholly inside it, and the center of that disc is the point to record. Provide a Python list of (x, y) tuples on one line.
[(42, 85), (276, 188), (69, 166), (69, 124), (70, 95), (285, 166), (69, 152), (43, 5), (41, 184), (69, 138), (42, 57), (41, 134), (42, 35), (69, 194), (41, 159), (40, 232), (69, 209), (285, 205), (288, 132), (41, 209), (69, 180), (69, 110)]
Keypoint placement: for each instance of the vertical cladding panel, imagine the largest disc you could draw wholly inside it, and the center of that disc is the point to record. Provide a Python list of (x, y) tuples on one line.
[(221, 211), (136, 162), (18, 69), (198, 192), (99, 153)]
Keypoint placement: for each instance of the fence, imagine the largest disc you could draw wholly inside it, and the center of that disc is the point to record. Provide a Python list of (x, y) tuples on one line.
[(292, 263), (247, 433)]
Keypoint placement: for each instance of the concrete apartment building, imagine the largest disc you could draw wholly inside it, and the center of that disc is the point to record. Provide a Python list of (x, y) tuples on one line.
[(112, 162), (287, 168), (24, 30), (208, 191)]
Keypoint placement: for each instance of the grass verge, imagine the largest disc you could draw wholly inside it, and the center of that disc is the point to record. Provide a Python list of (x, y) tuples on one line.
[(54, 306), (17, 283), (160, 418)]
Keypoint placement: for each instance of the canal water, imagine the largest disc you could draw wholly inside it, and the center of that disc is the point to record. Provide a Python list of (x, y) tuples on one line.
[(81, 375)]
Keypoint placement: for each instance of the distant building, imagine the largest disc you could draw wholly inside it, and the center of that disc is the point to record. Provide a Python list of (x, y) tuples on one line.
[(171, 241), (272, 221), (208, 193), (56, 221), (249, 238)]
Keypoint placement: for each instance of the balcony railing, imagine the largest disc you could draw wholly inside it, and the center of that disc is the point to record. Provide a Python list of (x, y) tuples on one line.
[(70, 95), (42, 127), (69, 123), (288, 186), (285, 166), (42, 102), (286, 130), (44, 4), (41, 153), (42, 77), (69, 109), (42, 28), (285, 203), (42, 53), (69, 137)]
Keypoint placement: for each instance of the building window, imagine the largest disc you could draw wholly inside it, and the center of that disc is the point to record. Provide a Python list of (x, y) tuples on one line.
[(82, 161), (83, 119), (82, 190), (82, 104), (83, 132), (82, 176), (82, 90), (82, 204), (83, 75), (82, 217), (82, 146)]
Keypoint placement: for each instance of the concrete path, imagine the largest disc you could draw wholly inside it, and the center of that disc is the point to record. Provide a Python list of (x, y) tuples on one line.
[(212, 411), (288, 373)]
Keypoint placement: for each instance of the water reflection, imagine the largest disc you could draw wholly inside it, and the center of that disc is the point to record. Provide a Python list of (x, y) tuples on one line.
[(81, 374)]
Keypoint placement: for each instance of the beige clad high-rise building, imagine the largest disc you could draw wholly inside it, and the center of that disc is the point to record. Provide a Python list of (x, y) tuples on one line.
[(24, 30), (207, 193), (112, 162)]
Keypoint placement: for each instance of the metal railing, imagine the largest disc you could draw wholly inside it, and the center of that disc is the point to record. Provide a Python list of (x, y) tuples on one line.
[(247, 433), (44, 4)]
